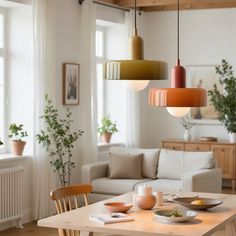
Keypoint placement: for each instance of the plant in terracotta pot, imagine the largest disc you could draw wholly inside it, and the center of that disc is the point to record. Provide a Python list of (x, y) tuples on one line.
[(187, 123), (106, 129), (16, 133), (224, 100)]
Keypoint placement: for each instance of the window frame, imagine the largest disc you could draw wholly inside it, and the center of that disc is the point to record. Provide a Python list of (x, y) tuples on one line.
[(102, 60), (3, 54)]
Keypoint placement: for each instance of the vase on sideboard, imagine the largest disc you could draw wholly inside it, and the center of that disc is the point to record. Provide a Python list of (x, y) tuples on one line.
[(187, 135)]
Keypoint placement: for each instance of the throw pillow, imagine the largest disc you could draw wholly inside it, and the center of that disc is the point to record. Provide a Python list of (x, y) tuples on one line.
[(173, 164), (149, 162), (125, 166)]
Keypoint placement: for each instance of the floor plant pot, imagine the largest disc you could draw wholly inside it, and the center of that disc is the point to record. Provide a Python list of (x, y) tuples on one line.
[(232, 137), (18, 147), (106, 137)]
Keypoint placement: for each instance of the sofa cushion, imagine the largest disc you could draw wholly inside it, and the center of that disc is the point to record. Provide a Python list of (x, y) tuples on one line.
[(173, 164), (125, 166), (149, 162), (164, 185), (115, 186)]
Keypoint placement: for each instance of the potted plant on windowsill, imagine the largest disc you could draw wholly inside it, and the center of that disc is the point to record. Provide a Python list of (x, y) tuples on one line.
[(16, 133), (224, 101), (106, 129)]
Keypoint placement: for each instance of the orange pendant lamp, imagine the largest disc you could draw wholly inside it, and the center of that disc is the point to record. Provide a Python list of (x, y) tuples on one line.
[(178, 99), (136, 71)]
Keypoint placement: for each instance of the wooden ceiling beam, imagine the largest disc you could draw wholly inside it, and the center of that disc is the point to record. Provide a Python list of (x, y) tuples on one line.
[(165, 5)]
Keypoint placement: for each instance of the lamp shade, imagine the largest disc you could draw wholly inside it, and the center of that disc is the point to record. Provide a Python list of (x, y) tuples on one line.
[(177, 97), (135, 70)]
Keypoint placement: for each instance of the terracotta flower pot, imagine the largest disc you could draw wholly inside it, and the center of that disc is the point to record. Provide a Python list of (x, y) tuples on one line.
[(106, 137), (18, 147)]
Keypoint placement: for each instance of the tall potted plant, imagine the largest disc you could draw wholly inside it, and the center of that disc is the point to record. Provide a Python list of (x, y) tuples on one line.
[(59, 141), (17, 133), (225, 102), (106, 129)]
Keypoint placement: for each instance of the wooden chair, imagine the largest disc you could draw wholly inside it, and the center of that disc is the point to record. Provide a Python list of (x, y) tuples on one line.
[(67, 198)]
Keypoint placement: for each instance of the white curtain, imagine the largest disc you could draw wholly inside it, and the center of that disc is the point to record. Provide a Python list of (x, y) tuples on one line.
[(44, 82), (133, 126), (88, 82)]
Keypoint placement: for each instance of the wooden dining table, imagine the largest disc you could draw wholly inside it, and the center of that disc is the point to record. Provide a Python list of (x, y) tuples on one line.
[(145, 222)]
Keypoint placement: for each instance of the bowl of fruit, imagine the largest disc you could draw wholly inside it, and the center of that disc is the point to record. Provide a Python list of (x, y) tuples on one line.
[(197, 203)]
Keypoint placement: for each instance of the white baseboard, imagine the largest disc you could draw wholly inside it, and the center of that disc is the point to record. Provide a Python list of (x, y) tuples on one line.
[(27, 217)]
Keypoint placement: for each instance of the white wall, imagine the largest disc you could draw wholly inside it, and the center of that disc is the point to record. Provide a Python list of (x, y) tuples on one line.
[(207, 36), (68, 45), (20, 69)]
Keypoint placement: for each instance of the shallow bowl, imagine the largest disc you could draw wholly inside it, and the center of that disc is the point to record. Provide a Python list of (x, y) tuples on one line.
[(162, 215), (117, 206), (186, 202)]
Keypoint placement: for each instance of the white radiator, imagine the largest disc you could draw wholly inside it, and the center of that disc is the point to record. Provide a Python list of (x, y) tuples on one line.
[(11, 194)]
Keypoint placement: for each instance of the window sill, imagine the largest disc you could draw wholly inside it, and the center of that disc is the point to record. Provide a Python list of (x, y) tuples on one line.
[(110, 144), (105, 147), (11, 157)]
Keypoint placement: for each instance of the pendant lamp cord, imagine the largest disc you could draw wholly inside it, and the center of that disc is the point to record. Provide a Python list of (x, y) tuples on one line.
[(135, 16), (177, 34)]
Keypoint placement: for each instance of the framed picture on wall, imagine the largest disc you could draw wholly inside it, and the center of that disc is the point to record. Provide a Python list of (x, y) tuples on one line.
[(71, 72), (203, 76)]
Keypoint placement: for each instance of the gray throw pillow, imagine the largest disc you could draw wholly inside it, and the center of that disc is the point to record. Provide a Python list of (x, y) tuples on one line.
[(125, 166)]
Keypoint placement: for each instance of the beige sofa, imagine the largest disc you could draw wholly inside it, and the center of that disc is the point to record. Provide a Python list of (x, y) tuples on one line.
[(165, 170)]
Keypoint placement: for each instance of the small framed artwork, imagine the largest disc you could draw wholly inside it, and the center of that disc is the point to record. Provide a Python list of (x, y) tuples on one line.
[(203, 76), (71, 72)]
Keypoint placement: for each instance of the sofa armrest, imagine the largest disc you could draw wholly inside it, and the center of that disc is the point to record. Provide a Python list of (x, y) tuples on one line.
[(94, 171), (206, 180)]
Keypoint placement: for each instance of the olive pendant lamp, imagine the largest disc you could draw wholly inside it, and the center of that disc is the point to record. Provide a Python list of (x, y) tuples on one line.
[(136, 71), (178, 99)]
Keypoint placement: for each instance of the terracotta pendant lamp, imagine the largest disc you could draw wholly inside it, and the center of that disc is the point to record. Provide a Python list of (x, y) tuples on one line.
[(178, 99), (136, 71)]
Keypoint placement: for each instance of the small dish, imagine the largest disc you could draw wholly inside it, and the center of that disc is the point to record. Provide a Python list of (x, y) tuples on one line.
[(117, 206), (164, 216), (208, 202), (209, 139)]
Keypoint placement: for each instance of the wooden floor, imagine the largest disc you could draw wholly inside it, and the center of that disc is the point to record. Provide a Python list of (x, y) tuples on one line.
[(32, 229)]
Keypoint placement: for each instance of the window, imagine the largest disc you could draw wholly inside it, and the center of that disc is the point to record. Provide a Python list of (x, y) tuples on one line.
[(100, 59), (111, 95), (2, 74)]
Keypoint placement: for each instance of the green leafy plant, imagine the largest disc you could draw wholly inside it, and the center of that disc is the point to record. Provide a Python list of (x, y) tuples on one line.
[(16, 132), (59, 141), (187, 123), (107, 126), (224, 101)]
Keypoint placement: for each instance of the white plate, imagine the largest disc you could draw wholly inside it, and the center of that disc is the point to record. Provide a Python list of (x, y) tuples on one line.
[(186, 215)]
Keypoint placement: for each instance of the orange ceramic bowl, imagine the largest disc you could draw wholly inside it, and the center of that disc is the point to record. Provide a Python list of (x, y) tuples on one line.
[(117, 206)]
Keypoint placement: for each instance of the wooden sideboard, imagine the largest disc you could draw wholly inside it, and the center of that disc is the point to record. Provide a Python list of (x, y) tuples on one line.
[(224, 153)]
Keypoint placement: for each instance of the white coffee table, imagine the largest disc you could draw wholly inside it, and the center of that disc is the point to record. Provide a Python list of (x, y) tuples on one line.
[(145, 224)]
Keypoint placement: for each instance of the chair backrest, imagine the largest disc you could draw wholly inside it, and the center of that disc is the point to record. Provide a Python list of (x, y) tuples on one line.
[(67, 198)]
